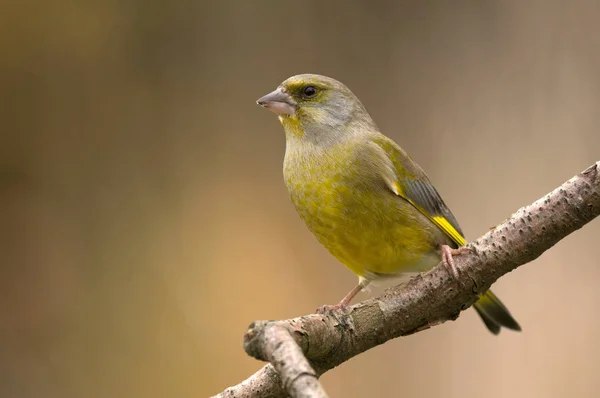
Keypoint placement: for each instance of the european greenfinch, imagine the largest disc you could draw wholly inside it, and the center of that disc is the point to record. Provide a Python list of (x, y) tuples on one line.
[(360, 194)]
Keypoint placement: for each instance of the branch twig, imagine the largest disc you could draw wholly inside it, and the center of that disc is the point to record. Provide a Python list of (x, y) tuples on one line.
[(275, 343), (428, 299)]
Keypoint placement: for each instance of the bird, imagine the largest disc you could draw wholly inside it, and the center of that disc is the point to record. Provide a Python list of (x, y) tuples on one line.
[(361, 194)]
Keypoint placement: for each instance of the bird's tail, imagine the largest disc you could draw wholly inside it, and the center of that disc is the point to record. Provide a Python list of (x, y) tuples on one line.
[(494, 313)]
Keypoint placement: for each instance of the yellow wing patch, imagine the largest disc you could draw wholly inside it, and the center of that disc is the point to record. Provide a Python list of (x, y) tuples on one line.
[(445, 226), (397, 189), (440, 221)]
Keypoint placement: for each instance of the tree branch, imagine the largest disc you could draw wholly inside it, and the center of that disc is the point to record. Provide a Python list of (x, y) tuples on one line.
[(427, 300), (276, 345)]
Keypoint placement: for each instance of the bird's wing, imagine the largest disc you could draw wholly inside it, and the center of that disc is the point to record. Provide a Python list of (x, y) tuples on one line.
[(412, 184)]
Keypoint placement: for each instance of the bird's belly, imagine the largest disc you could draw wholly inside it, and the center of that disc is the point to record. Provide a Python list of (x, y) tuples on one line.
[(371, 232)]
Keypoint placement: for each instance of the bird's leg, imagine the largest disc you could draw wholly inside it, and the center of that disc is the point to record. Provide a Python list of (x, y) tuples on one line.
[(448, 260), (362, 283)]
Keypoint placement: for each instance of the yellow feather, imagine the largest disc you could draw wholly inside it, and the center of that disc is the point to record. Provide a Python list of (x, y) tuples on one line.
[(441, 222)]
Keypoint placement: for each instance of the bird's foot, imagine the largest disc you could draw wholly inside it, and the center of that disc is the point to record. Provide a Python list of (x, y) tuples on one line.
[(329, 308), (448, 260), (342, 305)]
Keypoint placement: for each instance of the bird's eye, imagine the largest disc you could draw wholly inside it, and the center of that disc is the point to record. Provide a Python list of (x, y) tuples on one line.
[(309, 91)]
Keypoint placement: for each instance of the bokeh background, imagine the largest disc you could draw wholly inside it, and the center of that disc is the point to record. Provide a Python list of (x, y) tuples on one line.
[(144, 223)]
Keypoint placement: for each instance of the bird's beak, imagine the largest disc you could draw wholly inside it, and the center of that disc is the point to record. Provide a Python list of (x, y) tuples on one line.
[(278, 102)]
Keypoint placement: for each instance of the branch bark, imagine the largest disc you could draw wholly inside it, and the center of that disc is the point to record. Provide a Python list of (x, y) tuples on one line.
[(277, 346), (427, 300)]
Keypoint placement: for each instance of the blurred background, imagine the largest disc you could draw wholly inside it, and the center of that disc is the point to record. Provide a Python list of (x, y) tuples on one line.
[(144, 223)]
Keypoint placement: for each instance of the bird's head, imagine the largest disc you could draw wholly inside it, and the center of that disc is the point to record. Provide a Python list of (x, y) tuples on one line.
[(316, 108)]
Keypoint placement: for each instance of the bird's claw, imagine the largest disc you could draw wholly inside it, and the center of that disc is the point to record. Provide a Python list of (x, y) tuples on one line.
[(448, 260), (323, 310)]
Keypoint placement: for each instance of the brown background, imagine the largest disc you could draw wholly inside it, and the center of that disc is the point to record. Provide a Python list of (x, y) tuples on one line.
[(143, 218)]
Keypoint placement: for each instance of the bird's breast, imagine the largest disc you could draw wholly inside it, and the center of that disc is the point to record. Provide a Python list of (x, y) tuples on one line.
[(355, 216), (318, 191)]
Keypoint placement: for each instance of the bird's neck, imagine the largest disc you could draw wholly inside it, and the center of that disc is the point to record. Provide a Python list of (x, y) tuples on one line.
[(319, 136), (292, 127)]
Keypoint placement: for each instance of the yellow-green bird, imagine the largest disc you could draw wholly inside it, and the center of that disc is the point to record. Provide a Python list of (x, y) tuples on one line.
[(360, 194)]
